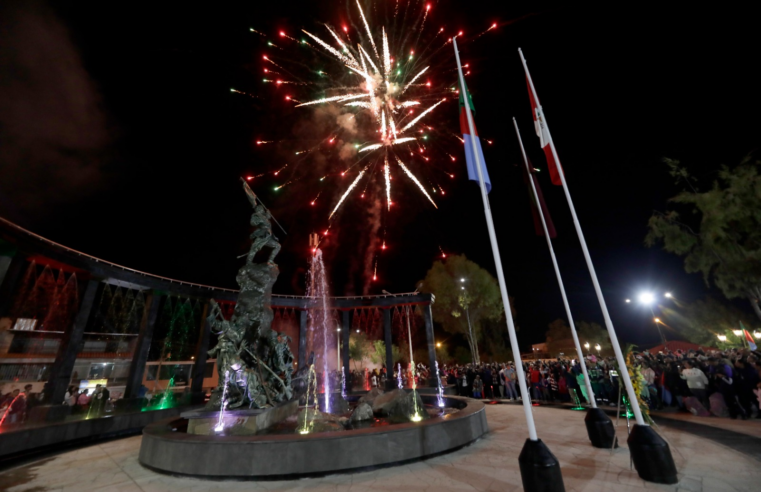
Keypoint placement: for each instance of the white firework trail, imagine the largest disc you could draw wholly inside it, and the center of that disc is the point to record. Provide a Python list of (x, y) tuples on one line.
[(383, 125), (402, 140), (345, 97), (367, 57), (407, 104), (387, 174), (415, 180), (420, 116), (371, 147), (359, 104), (386, 55), (367, 27), (345, 59), (414, 79), (342, 45), (348, 190)]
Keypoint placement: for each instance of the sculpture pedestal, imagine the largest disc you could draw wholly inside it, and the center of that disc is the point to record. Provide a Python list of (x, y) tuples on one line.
[(243, 422)]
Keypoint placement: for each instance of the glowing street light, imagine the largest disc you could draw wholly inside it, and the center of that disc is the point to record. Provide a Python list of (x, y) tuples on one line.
[(586, 345), (737, 332), (668, 295), (757, 334), (628, 301), (438, 344), (722, 338), (597, 347), (462, 280), (657, 320), (647, 298)]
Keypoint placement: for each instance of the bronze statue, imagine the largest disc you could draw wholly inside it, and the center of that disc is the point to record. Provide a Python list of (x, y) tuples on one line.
[(254, 361)]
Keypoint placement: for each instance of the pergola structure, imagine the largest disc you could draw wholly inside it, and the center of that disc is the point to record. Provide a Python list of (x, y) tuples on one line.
[(19, 246)]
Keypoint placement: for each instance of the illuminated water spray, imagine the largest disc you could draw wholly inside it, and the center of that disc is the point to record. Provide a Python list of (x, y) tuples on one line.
[(440, 392), (343, 382), (416, 416), (320, 317), (222, 405), (306, 428), (399, 376)]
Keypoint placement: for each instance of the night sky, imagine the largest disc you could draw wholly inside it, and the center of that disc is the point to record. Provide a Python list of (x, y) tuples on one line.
[(119, 137)]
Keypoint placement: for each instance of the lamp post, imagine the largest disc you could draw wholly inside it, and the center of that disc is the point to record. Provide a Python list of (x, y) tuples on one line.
[(597, 347), (586, 346)]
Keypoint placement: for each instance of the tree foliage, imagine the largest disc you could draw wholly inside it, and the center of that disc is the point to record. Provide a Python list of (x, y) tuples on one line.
[(378, 354), (359, 348), (559, 338), (462, 306), (700, 322), (721, 239)]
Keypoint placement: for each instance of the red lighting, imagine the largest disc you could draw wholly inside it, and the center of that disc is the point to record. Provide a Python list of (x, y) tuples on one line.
[(375, 278), (249, 178), (362, 195), (312, 203), (325, 233), (346, 29), (287, 98), (428, 7), (265, 70), (428, 84), (451, 176), (494, 25), (278, 82), (258, 142), (282, 33), (265, 57), (443, 255)]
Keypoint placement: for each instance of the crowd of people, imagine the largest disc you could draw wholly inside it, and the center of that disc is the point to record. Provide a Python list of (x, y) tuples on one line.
[(720, 383), (16, 405)]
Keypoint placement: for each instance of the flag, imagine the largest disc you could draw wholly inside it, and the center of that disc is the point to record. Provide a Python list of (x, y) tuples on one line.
[(542, 130), (540, 198), (748, 338), (472, 142)]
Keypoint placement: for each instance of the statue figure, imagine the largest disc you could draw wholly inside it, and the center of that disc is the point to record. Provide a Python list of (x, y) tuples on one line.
[(256, 359), (262, 235)]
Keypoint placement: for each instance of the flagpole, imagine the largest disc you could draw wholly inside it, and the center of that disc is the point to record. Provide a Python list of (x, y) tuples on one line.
[(497, 260), (575, 335), (608, 323), (650, 453)]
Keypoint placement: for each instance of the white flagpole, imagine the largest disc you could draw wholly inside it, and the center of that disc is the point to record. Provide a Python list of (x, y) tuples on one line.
[(497, 260), (606, 316), (579, 353)]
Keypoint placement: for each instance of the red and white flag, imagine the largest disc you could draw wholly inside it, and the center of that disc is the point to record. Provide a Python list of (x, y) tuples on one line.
[(542, 130)]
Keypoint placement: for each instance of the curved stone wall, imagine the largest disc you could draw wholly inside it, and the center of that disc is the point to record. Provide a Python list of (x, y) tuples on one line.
[(166, 448)]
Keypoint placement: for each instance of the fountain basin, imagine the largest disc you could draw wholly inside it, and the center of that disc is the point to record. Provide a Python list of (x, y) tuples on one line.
[(243, 421), (167, 447)]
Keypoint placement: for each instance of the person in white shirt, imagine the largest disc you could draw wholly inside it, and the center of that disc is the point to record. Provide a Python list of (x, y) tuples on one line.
[(696, 381)]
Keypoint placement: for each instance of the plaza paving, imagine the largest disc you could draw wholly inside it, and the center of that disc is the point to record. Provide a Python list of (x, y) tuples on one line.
[(488, 464)]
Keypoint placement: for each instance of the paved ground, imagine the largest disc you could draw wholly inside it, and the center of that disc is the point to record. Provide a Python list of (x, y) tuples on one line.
[(489, 464)]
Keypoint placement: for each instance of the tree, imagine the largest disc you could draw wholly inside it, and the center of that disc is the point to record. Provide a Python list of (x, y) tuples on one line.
[(559, 338), (722, 239), (466, 296), (359, 348), (378, 354), (700, 322)]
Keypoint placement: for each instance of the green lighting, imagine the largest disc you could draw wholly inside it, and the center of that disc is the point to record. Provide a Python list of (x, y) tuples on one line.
[(425, 137)]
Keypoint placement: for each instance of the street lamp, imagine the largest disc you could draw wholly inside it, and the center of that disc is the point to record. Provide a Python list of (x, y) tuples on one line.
[(586, 346), (657, 320), (628, 301), (737, 332), (646, 298), (722, 338), (438, 344), (597, 347), (668, 295), (757, 334)]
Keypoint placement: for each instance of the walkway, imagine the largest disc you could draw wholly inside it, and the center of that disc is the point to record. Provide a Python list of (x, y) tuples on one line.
[(489, 464)]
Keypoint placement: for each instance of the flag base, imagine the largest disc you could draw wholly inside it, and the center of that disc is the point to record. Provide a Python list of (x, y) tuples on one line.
[(540, 470), (651, 455), (600, 429)]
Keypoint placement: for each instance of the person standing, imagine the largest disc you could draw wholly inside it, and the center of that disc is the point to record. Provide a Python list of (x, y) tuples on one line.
[(488, 393), (501, 379), (478, 387), (697, 382), (510, 380), (83, 401)]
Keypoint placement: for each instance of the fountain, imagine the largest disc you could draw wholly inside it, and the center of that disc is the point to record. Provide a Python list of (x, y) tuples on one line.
[(319, 318), (399, 383), (252, 420), (439, 389), (221, 422)]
